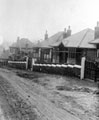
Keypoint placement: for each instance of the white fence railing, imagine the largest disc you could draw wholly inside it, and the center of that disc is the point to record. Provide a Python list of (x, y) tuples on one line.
[(79, 67), (19, 64)]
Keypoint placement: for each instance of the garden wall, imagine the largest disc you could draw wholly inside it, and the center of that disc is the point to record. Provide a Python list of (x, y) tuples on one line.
[(70, 70), (18, 64)]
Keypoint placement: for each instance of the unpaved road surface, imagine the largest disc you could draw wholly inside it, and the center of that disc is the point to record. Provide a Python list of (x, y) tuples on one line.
[(37, 96)]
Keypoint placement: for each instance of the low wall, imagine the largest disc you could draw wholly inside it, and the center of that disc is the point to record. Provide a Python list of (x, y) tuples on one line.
[(71, 70), (18, 64)]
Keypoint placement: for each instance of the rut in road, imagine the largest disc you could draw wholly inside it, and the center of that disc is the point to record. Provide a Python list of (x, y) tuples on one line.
[(45, 108), (17, 109)]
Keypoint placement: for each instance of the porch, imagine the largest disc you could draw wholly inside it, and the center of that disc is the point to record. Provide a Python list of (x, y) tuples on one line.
[(67, 55)]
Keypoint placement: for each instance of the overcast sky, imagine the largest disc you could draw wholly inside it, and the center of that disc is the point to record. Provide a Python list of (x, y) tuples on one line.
[(30, 18)]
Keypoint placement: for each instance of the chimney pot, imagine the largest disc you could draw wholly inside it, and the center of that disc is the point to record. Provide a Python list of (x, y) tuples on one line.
[(68, 31), (18, 38), (69, 27), (96, 34), (64, 29), (97, 23), (46, 35)]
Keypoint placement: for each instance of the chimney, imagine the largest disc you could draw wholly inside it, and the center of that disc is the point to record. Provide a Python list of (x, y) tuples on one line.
[(68, 31), (18, 38), (46, 35), (64, 34), (18, 43), (96, 35)]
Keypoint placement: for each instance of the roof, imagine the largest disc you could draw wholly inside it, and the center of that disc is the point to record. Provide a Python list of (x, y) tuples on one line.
[(96, 41), (51, 41), (22, 43), (42, 44), (80, 39)]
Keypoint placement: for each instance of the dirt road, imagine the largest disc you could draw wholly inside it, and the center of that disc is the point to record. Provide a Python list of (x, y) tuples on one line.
[(47, 98)]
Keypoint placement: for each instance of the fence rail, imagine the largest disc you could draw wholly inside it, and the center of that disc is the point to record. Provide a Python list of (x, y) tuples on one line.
[(18, 64)]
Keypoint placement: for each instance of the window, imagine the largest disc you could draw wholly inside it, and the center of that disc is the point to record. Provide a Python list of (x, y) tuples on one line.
[(71, 56), (98, 53), (46, 54), (35, 53), (72, 53)]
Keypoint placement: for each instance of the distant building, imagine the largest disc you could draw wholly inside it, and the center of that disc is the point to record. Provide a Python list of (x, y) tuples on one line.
[(21, 47)]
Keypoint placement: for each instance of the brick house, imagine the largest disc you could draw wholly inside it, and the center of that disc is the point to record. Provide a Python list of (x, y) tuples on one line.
[(64, 48), (44, 49), (95, 41)]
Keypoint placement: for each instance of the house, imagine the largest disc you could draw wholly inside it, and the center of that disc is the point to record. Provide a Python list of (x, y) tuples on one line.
[(64, 48), (21, 48), (95, 41), (44, 49), (78, 45)]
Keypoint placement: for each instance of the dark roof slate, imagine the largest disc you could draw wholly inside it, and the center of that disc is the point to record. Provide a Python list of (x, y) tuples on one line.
[(80, 39), (51, 41)]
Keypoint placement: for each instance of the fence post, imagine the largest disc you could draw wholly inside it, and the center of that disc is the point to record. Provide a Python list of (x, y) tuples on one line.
[(26, 63), (32, 64), (82, 68), (33, 61)]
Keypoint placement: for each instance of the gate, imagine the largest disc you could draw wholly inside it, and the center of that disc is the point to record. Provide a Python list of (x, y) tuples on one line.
[(92, 70)]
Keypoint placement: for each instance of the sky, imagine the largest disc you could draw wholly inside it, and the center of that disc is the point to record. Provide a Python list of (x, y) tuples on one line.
[(31, 18)]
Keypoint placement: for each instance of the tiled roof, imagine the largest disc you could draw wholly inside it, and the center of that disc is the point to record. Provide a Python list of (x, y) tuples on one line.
[(42, 44), (22, 43), (53, 40), (80, 39)]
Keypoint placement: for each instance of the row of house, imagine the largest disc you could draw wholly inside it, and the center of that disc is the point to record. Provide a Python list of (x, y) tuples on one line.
[(63, 47)]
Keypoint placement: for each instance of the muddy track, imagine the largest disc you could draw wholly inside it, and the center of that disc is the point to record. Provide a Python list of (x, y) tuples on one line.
[(45, 109), (18, 108), (35, 96), (5, 106)]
